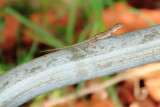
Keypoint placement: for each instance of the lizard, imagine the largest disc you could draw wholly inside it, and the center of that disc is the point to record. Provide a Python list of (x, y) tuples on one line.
[(99, 36)]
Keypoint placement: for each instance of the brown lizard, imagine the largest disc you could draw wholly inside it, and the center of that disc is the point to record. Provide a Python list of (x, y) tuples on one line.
[(99, 36)]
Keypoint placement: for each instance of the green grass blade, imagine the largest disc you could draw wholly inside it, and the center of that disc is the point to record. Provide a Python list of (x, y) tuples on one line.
[(45, 4), (112, 92), (84, 33), (2, 24), (114, 96), (109, 2), (124, 1), (71, 23), (86, 8), (29, 55), (97, 7), (45, 36), (95, 28)]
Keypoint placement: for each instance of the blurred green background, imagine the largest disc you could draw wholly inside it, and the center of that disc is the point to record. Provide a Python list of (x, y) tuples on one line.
[(28, 27)]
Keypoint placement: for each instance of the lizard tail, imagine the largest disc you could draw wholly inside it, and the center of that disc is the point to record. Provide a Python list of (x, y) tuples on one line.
[(50, 50), (55, 49)]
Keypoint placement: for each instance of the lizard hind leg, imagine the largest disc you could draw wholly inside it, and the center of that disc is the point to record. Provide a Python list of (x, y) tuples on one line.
[(92, 44)]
